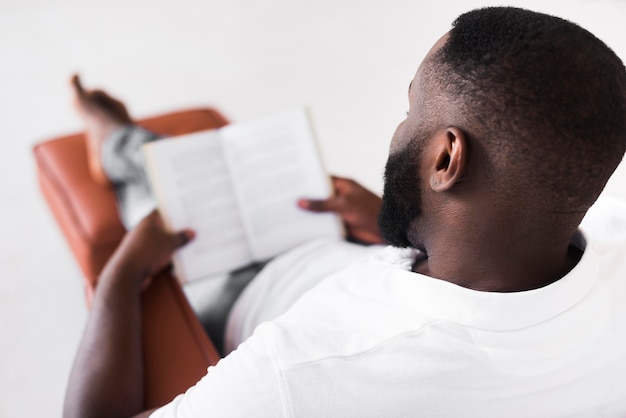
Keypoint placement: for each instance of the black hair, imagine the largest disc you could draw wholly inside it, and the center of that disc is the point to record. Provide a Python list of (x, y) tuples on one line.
[(544, 97)]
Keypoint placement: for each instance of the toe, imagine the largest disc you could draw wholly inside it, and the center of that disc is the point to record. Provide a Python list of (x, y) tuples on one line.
[(77, 85)]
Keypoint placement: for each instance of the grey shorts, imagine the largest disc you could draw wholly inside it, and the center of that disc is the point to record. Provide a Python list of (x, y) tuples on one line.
[(123, 162)]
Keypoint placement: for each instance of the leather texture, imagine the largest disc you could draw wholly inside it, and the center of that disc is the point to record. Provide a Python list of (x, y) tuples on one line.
[(177, 350)]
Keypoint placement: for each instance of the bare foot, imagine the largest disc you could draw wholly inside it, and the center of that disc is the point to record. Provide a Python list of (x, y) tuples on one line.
[(102, 115)]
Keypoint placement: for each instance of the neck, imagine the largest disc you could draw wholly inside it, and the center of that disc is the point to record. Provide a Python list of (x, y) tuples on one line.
[(498, 258)]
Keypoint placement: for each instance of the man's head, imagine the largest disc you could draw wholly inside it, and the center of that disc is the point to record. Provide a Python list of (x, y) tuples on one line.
[(514, 111)]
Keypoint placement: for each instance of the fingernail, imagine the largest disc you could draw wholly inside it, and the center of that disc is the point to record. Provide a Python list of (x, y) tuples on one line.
[(303, 203)]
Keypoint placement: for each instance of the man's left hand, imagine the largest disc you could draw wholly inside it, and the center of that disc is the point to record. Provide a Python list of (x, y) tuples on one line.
[(148, 248)]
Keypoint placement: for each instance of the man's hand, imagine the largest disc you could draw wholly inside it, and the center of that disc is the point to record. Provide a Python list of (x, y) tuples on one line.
[(148, 248), (107, 377), (357, 207)]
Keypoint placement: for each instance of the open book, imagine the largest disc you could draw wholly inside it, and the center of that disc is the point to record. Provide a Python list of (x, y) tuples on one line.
[(237, 187)]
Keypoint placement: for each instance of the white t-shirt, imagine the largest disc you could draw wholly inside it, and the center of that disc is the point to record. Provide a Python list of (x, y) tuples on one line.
[(285, 279), (378, 340)]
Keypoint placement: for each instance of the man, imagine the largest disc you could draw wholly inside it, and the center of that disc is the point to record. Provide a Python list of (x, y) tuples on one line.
[(495, 304)]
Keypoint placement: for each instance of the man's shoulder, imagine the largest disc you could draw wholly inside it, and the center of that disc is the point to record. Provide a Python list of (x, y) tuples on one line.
[(347, 314)]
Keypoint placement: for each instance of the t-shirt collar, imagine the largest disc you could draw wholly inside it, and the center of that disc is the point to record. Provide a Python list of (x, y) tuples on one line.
[(488, 310)]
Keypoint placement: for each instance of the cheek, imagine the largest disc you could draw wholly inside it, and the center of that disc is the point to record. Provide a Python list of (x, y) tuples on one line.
[(400, 139)]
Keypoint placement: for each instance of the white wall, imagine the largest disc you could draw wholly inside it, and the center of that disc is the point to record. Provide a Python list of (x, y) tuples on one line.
[(349, 60)]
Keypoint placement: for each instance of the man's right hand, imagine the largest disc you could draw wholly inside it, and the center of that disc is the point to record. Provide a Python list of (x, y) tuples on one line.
[(357, 207)]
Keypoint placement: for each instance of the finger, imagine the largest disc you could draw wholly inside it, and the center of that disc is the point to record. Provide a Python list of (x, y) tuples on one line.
[(314, 205), (177, 239), (75, 80), (334, 178), (182, 238), (154, 216), (341, 184), (77, 86), (151, 221)]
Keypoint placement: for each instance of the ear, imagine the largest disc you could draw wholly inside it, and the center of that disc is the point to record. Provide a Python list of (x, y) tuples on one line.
[(450, 159)]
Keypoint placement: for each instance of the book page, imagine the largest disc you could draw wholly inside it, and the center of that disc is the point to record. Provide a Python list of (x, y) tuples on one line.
[(191, 182), (274, 162)]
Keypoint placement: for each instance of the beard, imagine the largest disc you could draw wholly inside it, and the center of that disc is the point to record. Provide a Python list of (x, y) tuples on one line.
[(402, 202)]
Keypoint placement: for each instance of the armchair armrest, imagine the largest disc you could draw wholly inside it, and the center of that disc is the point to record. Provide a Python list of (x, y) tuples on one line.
[(176, 348)]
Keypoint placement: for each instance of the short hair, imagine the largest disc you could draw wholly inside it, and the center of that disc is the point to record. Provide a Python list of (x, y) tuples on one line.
[(543, 96)]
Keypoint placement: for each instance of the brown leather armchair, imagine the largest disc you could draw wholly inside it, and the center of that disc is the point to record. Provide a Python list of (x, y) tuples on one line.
[(177, 350)]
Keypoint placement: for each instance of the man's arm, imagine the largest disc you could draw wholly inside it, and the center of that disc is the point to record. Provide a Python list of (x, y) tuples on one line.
[(107, 376), (357, 207)]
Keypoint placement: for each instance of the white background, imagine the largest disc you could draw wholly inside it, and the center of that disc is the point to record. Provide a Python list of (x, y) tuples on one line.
[(351, 61)]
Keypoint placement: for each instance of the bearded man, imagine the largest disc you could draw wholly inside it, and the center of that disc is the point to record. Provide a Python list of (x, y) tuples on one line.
[(491, 300)]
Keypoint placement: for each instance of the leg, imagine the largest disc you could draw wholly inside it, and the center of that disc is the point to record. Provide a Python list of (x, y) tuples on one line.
[(114, 151), (212, 299), (102, 115)]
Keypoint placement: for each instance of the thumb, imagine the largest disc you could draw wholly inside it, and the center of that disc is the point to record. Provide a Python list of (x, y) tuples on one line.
[(182, 238)]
